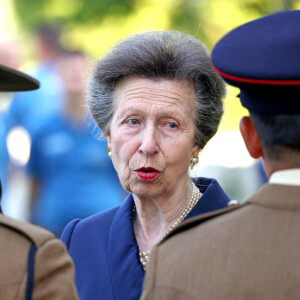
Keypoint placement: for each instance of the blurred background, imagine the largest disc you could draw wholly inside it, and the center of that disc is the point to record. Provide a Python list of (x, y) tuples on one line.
[(51, 162)]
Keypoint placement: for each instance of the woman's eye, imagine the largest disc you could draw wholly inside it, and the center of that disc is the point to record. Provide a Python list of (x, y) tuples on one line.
[(133, 122), (172, 125)]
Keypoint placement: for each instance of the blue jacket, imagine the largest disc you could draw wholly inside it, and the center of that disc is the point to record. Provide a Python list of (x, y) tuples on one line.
[(105, 252)]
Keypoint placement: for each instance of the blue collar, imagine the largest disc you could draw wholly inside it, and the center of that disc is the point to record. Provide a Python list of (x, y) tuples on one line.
[(126, 271)]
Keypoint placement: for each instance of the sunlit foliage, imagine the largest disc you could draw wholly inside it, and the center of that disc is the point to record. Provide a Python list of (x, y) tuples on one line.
[(113, 19), (95, 25)]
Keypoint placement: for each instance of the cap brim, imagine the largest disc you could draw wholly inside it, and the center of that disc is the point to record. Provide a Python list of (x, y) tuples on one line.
[(12, 80)]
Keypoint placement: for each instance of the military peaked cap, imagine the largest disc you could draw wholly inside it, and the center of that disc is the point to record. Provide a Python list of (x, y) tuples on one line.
[(262, 58)]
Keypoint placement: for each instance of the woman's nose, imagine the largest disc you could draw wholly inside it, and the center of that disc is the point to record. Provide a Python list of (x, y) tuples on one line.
[(148, 145)]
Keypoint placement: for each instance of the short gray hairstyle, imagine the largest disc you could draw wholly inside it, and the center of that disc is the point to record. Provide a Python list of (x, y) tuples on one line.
[(159, 55)]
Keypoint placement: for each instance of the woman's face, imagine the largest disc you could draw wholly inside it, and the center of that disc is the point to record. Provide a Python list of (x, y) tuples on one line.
[(152, 134)]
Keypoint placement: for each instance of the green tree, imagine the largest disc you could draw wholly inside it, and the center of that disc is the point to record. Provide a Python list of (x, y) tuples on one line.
[(206, 19)]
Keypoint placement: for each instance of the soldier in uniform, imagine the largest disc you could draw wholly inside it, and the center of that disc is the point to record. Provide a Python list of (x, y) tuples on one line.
[(33, 264), (247, 251)]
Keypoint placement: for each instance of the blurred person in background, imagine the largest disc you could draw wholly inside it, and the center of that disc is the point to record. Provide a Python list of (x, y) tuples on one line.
[(24, 116), (252, 250), (158, 102), (26, 113), (10, 56), (68, 166), (34, 265)]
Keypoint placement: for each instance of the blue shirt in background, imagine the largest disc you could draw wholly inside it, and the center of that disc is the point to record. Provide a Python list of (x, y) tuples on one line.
[(76, 177), (29, 109)]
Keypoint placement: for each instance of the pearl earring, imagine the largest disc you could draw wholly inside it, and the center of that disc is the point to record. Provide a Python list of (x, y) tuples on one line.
[(108, 152), (194, 161)]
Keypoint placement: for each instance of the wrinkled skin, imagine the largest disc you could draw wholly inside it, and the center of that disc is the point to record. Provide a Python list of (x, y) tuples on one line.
[(153, 126)]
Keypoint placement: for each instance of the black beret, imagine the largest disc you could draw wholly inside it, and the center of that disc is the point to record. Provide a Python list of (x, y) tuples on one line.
[(12, 80), (262, 58)]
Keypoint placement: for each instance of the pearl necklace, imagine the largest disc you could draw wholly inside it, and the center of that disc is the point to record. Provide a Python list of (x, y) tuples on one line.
[(145, 255)]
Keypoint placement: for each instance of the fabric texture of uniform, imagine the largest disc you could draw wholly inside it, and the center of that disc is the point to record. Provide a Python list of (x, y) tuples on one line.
[(53, 276), (105, 252), (251, 252)]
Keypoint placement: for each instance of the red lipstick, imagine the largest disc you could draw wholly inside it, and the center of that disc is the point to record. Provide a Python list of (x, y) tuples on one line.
[(147, 173)]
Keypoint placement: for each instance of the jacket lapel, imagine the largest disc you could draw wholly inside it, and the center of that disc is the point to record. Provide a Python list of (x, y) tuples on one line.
[(126, 271), (125, 268), (213, 197)]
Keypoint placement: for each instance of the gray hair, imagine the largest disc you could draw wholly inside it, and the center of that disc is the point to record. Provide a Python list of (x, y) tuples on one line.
[(159, 55)]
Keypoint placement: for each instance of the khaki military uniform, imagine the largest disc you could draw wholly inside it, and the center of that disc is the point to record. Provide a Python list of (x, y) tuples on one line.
[(33, 264), (251, 251)]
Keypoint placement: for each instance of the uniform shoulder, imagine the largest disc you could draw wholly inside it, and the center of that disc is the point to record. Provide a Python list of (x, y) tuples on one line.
[(195, 221), (95, 225), (35, 234)]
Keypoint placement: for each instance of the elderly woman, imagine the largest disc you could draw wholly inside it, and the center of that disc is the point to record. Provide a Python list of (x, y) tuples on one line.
[(157, 101)]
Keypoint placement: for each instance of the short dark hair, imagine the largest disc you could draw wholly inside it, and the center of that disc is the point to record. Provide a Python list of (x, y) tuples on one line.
[(50, 34), (277, 133), (159, 55)]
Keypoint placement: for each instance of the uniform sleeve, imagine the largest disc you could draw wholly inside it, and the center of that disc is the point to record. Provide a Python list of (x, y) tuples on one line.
[(53, 273)]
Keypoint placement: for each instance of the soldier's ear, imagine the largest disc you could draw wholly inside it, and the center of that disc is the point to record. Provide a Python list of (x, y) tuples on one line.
[(250, 137)]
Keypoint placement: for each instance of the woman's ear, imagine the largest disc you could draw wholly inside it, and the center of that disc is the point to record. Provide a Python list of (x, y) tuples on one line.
[(196, 149), (108, 140), (250, 137)]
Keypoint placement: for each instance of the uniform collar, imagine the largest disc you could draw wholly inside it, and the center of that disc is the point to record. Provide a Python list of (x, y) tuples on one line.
[(279, 196), (286, 177)]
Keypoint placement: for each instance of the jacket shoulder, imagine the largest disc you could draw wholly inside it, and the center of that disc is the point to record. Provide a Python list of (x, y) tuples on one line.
[(93, 225), (35, 234), (195, 221), (101, 219)]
